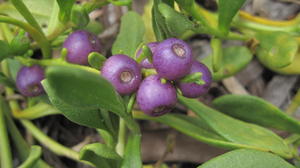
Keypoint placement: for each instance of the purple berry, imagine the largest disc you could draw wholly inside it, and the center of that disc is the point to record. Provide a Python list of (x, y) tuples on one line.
[(172, 59), (29, 80), (146, 63), (79, 45), (156, 98), (123, 72), (193, 90)]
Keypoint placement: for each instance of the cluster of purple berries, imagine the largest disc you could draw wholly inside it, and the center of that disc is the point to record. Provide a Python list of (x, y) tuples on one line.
[(156, 94)]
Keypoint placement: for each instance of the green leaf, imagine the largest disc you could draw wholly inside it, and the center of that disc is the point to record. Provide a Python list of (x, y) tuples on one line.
[(14, 66), (234, 60), (238, 131), (65, 7), (40, 9), (87, 117), (96, 60), (130, 36), (132, 155), (20, 44), (276, 49), (79, 16), (83, 89), (256, 110), (176, 23), (243, 158), (33, 158), (5, 50), (186, 4), (158, 22), (6, 81), (227, 10), (100, 155)]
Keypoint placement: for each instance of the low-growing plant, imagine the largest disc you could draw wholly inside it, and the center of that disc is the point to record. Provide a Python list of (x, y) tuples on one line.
[(149, 71)]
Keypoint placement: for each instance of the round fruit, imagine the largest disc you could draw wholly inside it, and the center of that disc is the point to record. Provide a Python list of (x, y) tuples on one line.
[(172, 59), (146, 63), (156, 98), (29, 80), (79, 45), (193, 90), (123, 72)]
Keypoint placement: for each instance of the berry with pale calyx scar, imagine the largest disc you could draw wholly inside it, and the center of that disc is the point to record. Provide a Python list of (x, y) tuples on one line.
[(193, 90), (79, 45), (29, 80), (123, 72), (172, 59), (155, 97)]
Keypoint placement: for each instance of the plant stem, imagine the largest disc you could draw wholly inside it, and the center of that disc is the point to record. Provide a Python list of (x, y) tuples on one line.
[(260, 20), (49, 142), (242, 23), (23, 10), (294, 104), (120, 147), (36, 35), (20, 144), (7, 34), (6, 158)]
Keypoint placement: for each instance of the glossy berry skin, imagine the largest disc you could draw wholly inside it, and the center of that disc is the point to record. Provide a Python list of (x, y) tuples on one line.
[(172, 59), (123, 72), (146, 63), (156, 98), (79, 45), (29, 81), (193, 90)]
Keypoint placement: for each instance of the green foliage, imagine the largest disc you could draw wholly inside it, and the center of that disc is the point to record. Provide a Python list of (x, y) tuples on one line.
[(120, 2), (227, 10), (234, 59), (243, 158), (132, 155), (158, 23), (100, 155), (6, 81), (276, 49), (65, 7), (130, 36), (256, 110), (238, 131), (20, 44), (5, 50), (176, 23), (78, 92), (33, 158), (79, 17), (40, 9), (96, 60)]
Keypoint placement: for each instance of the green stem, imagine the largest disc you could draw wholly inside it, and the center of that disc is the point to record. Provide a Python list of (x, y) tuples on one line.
[(6, 158), (7, 34), (36, 35), (120, 147), (292, 139), (37, 111), (294, 105), (246, 24), (20, 144), (21, 7), (49, 142), (53, 62)]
